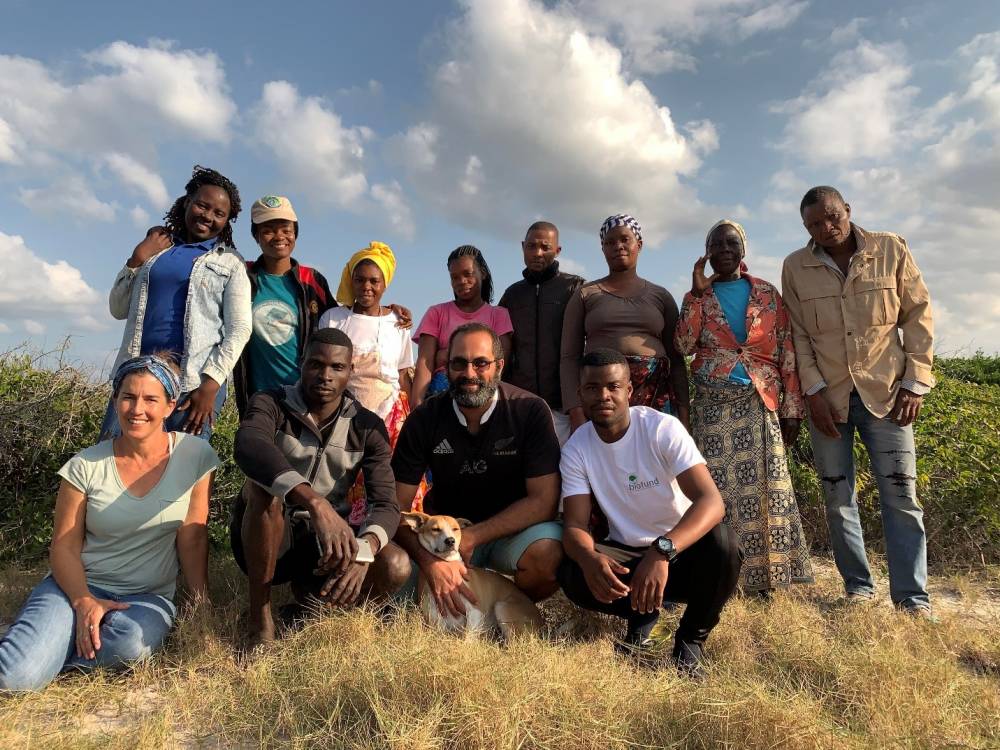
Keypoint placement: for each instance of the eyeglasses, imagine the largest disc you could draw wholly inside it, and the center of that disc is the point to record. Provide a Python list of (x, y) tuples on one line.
[(460, 364)]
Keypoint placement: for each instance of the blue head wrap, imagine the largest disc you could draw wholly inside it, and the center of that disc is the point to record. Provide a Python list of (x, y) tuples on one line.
[(621, 220), (155, 366)]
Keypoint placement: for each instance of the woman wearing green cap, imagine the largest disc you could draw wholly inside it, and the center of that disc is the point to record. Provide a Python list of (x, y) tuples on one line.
[(288, 299)]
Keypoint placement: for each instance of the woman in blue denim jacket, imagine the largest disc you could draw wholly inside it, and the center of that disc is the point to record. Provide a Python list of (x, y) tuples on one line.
[(185, 291)]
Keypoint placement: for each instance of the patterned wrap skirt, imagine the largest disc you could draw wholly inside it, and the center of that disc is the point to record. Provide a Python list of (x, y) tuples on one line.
[(650, 382), (356, 495), (740, 439)]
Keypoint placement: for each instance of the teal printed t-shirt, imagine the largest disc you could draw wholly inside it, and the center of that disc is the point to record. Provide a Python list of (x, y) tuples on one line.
[(734, 296), (274, 343)]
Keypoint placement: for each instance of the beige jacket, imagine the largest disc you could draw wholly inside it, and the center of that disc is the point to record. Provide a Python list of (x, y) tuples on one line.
[(847, 331)]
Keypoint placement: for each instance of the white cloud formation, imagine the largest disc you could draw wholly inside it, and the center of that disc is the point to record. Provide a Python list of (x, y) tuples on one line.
[(139, 177), (657, 36), (928, 173), (562, 129), (71, 195), (857, 109), (128, 101), (140, 218), (43, 290), (324, 158), (33, 327)]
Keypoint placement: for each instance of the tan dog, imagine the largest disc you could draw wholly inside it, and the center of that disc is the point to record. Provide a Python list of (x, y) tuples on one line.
[(501, 604)]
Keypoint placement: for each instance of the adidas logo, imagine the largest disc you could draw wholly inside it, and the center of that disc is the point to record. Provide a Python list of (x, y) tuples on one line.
[(443, 447)]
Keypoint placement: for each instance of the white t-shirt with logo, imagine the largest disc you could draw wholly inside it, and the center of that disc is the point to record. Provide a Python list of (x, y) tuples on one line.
[(634, 480)]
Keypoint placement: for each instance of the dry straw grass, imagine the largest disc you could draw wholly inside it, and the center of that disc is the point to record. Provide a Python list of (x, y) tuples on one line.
[(802, 671)]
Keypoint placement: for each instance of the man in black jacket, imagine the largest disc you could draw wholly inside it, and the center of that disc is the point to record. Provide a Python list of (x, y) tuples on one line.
[(301, 448), (536, 305)]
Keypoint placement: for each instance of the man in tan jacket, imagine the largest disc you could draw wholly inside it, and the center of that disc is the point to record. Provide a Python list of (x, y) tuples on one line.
[(861, 321)]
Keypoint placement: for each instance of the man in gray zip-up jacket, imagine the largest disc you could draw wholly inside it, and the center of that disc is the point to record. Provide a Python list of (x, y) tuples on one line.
[(302, 448)]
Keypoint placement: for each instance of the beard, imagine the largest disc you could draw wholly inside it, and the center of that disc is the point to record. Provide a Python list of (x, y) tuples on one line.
[(480, 397)]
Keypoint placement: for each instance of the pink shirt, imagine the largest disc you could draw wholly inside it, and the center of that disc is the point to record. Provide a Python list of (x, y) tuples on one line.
[(441, 320)]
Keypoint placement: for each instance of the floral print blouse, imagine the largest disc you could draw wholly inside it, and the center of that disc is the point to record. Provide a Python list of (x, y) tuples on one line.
[(768, 353)]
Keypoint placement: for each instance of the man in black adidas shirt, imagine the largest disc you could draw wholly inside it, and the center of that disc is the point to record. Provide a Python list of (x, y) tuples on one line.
[(494, 460)]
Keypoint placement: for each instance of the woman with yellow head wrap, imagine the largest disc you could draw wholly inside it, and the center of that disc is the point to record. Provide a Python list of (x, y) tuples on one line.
[(377, 253), (747, 406), (383, 354)]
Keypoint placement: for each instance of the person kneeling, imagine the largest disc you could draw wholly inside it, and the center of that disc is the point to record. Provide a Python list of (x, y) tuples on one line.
[(301, 448), (663, 511)]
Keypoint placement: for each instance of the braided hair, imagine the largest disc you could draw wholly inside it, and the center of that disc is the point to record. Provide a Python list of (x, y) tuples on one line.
[(469, 251), (201, 176)]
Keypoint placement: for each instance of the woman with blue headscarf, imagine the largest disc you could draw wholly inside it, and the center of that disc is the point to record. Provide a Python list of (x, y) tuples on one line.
[(629, 314), (131, 511)]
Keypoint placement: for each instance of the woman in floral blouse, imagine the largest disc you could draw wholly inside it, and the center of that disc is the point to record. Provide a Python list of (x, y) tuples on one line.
[(747, 408)]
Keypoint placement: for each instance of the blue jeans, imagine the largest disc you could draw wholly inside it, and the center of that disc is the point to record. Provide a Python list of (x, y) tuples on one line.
[(894, 464), (41, 642), (110, 428)]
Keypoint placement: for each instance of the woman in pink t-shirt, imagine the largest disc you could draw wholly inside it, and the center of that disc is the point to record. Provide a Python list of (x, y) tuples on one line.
[(473, 287)]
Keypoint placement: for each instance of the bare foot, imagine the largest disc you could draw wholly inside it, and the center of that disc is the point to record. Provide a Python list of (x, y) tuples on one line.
[(261, 628)]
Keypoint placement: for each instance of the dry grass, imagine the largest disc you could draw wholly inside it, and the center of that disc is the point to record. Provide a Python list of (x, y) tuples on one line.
[(803, 671)]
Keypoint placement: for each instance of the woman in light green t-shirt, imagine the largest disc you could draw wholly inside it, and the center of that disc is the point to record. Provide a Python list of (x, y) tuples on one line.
[(131, 512)]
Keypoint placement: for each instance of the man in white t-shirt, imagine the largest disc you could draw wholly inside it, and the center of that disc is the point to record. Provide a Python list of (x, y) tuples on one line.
[(663, 511)]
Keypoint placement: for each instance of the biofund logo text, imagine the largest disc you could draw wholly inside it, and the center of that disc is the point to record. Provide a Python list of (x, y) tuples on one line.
[(638, 485)]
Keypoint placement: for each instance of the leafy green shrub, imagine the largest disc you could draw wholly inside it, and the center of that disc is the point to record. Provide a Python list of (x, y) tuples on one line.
[(979, 368)]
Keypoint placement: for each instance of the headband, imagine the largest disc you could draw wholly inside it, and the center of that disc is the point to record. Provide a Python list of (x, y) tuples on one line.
[(621, 220), (155, 366)]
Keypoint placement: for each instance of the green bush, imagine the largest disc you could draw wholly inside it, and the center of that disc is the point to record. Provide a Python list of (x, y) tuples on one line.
[(48, 413)]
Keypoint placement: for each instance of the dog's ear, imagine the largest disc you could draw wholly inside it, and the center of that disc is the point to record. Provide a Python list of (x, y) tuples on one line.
[(413, 519), (463, 522)]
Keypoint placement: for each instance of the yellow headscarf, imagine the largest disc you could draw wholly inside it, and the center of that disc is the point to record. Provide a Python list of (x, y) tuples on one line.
[(378, 253)]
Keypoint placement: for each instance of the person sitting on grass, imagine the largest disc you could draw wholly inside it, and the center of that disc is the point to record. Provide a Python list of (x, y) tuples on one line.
[(130, 511), (663, 511), (301, 448)]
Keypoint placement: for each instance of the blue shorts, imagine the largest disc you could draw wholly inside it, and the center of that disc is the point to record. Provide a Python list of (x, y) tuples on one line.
[(501, 555)]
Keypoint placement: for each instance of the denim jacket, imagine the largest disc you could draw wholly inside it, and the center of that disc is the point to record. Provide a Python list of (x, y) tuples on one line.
[(217, 317)]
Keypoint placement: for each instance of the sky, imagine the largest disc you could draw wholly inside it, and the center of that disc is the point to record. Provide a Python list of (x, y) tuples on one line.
[(435, 124)]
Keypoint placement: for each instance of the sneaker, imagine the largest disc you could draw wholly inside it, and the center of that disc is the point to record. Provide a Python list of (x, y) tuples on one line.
[(690, 659), (918, 611), (642, 653), (859, 597)]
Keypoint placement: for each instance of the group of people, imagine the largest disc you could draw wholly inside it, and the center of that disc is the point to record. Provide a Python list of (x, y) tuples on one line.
[(557, 426)]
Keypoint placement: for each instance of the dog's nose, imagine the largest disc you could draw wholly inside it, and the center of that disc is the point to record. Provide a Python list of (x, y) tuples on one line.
[(449, 542)]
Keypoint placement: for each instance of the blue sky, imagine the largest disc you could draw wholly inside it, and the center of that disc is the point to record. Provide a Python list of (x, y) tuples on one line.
[(434, 124)]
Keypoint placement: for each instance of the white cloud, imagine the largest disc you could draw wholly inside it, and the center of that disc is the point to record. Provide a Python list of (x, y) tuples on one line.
[(124, 104), (324, 158), (311, 145), (656, 36), (44, 290), (34, 327), (931, 174), (140, 177), (4, 328), (563, 127), (394, 207), (71, 195), (859, 108), (140, 217)]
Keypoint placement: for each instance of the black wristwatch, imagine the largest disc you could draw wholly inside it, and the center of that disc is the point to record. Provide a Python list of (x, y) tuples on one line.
[(665, 547)]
